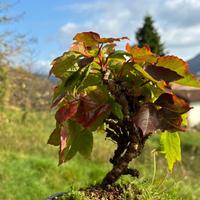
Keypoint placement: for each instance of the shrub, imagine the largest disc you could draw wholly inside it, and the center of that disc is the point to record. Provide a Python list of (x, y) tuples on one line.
[(126, 93)]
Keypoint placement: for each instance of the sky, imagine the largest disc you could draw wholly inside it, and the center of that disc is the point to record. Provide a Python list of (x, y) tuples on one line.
[(54, 23)]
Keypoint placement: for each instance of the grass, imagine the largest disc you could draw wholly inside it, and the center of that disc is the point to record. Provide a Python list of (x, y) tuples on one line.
[(29, 171)]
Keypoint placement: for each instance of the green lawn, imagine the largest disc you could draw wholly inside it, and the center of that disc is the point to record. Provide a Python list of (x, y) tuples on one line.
[(29, 171)]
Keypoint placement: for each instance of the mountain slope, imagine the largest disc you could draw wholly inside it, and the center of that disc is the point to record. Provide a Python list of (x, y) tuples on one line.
[(194, 64), (27, 90)]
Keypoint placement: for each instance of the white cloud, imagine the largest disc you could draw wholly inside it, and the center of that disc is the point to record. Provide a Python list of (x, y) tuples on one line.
[(177, 21), (42, 66)]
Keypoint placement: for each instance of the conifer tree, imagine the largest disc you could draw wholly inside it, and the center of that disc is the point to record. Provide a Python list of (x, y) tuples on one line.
[(147, 34)]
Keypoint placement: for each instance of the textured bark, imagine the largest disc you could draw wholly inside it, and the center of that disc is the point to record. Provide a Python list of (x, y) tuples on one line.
[(128, 137), (120, 166)]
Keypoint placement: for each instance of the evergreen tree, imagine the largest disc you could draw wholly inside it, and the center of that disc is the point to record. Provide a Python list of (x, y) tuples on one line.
[(147, 34)]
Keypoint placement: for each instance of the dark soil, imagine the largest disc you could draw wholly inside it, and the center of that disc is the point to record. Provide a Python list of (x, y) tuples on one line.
[(97, 192), (115, 192)]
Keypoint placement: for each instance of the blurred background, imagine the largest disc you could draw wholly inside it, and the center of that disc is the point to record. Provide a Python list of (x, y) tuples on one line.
[(32, 34)]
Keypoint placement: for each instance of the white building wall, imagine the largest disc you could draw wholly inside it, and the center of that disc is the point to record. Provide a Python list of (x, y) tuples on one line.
[(194, 114)]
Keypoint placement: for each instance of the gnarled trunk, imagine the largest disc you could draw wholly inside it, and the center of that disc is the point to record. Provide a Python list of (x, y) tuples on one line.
[(129, 147)]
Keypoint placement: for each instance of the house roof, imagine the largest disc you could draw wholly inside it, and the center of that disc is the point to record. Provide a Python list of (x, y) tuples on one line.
[(189, 93)]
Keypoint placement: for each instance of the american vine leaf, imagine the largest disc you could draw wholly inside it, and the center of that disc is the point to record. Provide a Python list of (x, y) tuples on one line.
[(78, 47), (79, 140), (161, 73), (116, 109), (170, 147), (89, 111), (63, 143), (66, 112), (147, 119), (180, 67), (170, 120), (160, 83), (141, 55), (85, 143), (88, 38), (173, 103), (54, 138), (61, 65)]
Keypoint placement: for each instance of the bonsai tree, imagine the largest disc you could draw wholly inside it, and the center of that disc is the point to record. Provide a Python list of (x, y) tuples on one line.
[(127, 93)]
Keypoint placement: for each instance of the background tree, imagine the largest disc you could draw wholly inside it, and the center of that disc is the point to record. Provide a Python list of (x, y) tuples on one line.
[(15, 50), (147, 34)]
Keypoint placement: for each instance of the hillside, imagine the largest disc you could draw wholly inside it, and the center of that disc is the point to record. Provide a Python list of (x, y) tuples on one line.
[(194, 64), (27, 90)]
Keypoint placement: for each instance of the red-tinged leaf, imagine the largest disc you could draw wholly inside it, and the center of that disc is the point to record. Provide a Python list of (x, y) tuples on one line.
[(54, 138), (66, 112), (170, 120), (161, 73), (63, 144), (92, 39), (172, 103), (173, 63), (141, 55), (147, 119), (89, 111), (111, 40), (80, 48), (87, 38)]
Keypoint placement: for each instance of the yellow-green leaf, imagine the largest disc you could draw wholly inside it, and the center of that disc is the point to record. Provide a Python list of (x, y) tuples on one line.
[(170, 146)]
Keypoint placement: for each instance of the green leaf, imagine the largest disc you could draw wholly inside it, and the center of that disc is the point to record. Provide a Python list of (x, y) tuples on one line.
[(76, 79), (74, 130), (54, 138), (63, 64), (116, 108), (185, 120), (59, 93), (161, 84), (84, 75), (85, 141), (170, 146), (80, 140), (181, 67), (91, 80), (108, 48), (173, 63), (189, 80), (119, 54)]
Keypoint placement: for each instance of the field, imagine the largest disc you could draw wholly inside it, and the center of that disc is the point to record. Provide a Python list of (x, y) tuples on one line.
[(29, 171)]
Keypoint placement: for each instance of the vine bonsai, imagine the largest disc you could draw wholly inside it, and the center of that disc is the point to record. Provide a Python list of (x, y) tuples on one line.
[(127, 93)]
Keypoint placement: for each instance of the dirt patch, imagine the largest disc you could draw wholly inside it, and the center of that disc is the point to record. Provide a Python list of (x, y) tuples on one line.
[(115, 192), (97, 192)]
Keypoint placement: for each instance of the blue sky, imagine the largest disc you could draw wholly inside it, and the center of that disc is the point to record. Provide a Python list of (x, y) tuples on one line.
[(53, 23)]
